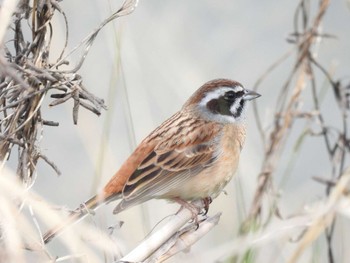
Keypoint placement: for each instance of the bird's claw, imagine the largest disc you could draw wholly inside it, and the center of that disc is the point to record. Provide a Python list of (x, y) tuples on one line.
[(207, 201)]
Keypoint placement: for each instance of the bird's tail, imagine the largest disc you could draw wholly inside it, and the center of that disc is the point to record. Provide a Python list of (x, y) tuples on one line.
[(78, 214)]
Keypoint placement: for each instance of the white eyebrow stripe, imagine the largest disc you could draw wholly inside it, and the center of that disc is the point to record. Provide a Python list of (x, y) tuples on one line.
[(215, 94), (237, 88)]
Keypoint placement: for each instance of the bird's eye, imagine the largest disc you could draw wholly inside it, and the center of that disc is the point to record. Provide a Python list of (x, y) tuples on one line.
[(230, 95)]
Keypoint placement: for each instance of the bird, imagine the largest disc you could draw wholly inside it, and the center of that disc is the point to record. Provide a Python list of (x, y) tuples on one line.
[(190, 156)]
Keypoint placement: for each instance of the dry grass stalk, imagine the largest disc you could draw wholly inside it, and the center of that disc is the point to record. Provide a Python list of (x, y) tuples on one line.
[(26, 77), (287, 108), (288, 111), (325, 218)]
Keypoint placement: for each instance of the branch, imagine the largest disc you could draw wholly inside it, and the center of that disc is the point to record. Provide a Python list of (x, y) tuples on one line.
[(171, 238)]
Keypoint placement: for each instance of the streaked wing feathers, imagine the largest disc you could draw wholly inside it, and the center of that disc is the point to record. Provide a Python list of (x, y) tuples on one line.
[(179, 154)]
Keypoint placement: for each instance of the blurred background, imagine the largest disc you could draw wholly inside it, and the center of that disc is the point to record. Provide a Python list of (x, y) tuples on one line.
[(145, 65)]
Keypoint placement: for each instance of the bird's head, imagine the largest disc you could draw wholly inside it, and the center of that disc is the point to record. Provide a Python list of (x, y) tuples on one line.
[(221, 100)]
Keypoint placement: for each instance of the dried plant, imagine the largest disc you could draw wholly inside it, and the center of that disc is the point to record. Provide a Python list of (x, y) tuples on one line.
[(27, 75), (28, 72), (289, 109)]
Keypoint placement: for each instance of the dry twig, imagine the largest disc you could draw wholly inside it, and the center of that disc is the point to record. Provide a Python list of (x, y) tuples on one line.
[(302, 77), (27, 75)]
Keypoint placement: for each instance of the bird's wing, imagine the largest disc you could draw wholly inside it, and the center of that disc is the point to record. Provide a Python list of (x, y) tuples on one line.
[(182, 151)]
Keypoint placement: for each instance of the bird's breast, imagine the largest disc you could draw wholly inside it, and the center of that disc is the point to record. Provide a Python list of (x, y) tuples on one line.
[(211, 181)]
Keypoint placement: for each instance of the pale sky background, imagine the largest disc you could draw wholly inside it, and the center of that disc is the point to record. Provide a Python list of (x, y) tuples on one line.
[(167, 49)]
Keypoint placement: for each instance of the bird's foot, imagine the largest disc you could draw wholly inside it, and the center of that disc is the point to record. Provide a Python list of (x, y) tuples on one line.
[(194, 209)]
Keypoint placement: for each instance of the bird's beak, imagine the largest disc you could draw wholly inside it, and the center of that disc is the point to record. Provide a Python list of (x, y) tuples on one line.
[(250, 95)]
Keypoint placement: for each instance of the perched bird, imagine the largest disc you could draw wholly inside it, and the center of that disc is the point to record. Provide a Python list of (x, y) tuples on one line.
[(190, 156)]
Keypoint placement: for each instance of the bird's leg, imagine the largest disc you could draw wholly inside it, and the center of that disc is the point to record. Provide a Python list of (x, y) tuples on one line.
[(191, 207), (184, 204)]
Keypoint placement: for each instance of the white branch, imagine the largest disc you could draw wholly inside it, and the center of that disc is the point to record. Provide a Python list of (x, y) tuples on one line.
[(172, 236)]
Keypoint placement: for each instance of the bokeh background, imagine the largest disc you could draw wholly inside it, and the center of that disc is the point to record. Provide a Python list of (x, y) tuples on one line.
[(145, 66)]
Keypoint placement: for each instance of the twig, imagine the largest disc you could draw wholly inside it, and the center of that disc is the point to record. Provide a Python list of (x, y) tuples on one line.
[(285, 114), (324, 219), (159, 238)]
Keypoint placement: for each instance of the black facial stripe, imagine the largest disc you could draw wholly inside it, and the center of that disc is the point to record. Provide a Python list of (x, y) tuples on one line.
[(230, 100), (231, 95), (220, 106), (239, 110)]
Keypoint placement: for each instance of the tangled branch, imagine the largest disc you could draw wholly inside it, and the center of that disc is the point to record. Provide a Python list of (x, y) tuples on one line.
[(27, 75)]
